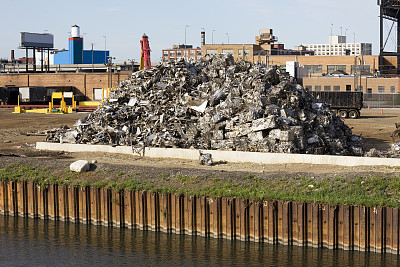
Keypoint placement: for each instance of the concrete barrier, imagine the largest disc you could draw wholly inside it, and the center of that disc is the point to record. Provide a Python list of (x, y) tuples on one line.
[(229, 156)]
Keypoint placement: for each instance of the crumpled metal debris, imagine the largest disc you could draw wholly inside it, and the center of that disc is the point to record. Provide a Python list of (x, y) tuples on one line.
[(215, 103), (205, 159), (392, 152)]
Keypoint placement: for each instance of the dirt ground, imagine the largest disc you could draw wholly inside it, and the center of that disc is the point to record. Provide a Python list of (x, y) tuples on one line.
[(20, 132)]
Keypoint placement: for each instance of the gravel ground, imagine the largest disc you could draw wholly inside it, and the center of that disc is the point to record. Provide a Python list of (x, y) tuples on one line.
[(20, 132)]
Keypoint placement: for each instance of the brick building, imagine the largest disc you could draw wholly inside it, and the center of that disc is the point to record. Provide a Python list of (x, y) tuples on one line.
[(181, 51), (82, 84), (260, 51), (366, 84), (324, 65)]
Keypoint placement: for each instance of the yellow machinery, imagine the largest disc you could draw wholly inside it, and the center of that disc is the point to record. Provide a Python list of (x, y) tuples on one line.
[(63, 109), (105, 93), (63, 105)]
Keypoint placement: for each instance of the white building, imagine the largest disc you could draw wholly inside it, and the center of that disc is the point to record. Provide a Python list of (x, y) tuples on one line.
[(338, 47)]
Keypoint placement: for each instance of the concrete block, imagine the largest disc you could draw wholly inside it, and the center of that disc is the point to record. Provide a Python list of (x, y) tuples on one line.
[(80, 166)]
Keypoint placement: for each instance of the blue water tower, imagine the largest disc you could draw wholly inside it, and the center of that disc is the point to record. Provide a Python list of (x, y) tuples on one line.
[(75, 43)]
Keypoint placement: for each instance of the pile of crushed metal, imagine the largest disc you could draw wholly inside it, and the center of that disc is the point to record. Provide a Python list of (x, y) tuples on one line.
[(215, 103)]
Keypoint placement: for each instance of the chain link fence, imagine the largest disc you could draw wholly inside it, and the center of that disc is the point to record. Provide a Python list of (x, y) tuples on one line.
[(381, 100)]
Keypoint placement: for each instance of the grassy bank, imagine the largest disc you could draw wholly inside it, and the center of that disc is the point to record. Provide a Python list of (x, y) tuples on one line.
[(367, 191)]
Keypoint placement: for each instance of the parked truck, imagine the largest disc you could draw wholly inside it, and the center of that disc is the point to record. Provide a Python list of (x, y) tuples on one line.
[(346, 104)]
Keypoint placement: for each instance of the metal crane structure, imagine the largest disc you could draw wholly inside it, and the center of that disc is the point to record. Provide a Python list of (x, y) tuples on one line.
[(389, 10), (145, 53)]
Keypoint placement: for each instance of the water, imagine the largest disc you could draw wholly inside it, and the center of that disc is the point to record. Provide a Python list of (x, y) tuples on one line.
[(30, 242)]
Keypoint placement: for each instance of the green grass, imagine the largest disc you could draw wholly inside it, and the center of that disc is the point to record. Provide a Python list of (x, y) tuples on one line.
[(367, 191)]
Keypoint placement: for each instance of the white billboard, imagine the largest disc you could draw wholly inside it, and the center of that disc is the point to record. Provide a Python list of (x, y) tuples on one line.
[(39, 40)]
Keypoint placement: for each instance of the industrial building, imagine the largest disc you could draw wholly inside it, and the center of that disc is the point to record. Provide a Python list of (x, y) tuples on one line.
[(76, 54), (326, 65), (338, 47), (181, 51), (260, 51)]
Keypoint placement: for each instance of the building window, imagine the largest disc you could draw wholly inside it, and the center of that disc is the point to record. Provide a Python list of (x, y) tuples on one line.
[(185, 52), (363, 68), (98, 94), (317, 88), (333, 68), (199, 52), (179, 53), (392, 89), (211, 52), (314, 69), (327, 88), (381, 89), (227, 51), (308, 87), (336, 88), (172, 53), (246, 52), (348, 87), (192, 52), (165, 53), (369, 91)]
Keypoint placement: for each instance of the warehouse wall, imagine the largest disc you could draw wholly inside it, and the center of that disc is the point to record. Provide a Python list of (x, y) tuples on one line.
[(84, 83)]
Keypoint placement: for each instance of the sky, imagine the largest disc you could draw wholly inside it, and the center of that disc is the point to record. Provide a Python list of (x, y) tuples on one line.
[(123, 23)]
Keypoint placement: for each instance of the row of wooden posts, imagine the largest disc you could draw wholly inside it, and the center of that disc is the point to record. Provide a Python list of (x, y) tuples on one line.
[(278, 222)]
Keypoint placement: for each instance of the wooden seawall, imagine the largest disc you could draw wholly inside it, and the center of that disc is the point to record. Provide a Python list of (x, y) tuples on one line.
[(302, 224)]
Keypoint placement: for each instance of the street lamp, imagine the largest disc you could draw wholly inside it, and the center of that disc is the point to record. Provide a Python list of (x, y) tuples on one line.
[(105, 48), (227, 36), (185, 34), (212, 36)]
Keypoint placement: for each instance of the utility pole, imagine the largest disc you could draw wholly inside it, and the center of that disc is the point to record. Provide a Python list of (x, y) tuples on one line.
[(109, 65), (105, 48), (92, 58), (185, 34), (212, 37)]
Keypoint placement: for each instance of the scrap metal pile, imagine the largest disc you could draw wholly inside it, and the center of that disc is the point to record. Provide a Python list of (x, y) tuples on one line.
[(215, 103)]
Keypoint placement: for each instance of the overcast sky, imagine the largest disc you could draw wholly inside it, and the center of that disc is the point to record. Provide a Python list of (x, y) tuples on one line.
[(123, 23)]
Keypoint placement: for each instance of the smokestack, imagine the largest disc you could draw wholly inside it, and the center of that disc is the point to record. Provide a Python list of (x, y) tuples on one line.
[(12, 56), (203, 38)]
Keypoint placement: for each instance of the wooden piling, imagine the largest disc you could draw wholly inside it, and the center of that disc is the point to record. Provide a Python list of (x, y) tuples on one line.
[(304, 224)]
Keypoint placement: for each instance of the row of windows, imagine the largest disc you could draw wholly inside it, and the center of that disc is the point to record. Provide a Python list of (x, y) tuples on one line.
[(178, 58), (317, 69), (327, 46), (185, 52), (229, 51), (328, 88)]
